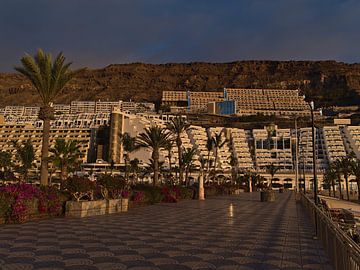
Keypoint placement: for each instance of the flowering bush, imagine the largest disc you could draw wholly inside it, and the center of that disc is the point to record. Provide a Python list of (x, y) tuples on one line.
[(125, 194), (138, 196), (80, 187), (171, 195), (19, 201)]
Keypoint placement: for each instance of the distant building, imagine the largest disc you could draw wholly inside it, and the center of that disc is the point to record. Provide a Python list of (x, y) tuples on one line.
[(246, 101)]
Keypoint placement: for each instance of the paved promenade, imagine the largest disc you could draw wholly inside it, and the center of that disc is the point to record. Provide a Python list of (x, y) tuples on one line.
[(228, 233)]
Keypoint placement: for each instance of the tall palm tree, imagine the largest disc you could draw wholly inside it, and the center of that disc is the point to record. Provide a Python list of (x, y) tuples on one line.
[(345, 164), (272, 170), (129, 145), (337, 167), (188, 161), (26, 155), (48, 78), (218, 144), (329, 178), (154, 138), (177, 127), (65, 154), (355, 169)]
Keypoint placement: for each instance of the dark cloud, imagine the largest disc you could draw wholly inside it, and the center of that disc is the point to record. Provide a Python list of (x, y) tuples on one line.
[(99, 32)]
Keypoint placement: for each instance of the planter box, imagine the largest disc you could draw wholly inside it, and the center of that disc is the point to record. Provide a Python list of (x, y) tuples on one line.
[(124, 205), (85, 208), (267, 196), (238, 191), (117, 205)]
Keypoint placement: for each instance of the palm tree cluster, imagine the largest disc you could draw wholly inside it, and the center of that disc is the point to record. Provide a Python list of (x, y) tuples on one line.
[(342, 169)]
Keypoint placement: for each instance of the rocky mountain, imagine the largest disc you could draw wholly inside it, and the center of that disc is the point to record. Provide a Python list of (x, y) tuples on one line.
[(326, 82)]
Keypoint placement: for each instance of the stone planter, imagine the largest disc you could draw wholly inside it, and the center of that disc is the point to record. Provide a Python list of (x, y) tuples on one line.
[(124, 205), (85, 208), (238, 191), (267, 196), (117, 205)]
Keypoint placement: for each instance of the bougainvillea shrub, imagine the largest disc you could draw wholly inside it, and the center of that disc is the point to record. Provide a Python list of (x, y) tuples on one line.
[(20, 201)]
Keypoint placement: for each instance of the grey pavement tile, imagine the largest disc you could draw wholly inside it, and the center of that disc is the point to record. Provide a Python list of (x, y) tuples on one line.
[(187, 235)]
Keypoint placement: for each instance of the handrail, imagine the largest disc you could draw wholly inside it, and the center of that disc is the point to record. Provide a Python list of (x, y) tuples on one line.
[(342, 250)]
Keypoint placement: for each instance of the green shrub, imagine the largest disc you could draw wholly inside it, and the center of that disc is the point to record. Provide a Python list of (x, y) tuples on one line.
[(80, 187), (111, 186)]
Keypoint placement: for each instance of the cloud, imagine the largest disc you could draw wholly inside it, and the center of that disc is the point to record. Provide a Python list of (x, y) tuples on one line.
[(99, 32)]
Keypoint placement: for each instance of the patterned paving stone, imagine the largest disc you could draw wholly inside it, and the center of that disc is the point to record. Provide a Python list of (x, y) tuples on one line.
[(188, 235)]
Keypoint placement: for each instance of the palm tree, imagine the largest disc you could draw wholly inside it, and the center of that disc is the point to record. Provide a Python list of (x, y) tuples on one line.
[(209, 148), (337, 167), (48, 78), (129, 145), (345, 164), (234, 166), (5, 160), (168, 148), (188, 161), (329, 179), (134, 168), (218, 143), (65, 154), (355, 169), (25, 154), (154, 138), (272, 170), (177, 127)]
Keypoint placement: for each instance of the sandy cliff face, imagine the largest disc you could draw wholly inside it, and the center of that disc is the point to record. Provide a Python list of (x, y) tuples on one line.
[(327, 82)]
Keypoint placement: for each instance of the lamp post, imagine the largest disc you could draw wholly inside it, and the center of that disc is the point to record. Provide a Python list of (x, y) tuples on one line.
[(312, 107), (296, 158)]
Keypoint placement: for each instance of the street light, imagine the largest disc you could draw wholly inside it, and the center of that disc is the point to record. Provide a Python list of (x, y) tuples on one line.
[(312, 107)]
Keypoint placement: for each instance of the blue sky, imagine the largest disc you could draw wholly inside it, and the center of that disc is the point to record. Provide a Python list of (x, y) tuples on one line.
[(96, 33)]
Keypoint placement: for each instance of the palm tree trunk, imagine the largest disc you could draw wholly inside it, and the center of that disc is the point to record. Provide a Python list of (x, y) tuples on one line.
[(208, 165), (181, 169), (347, 187), (358, 186), (333, 186), (155, 156), (44, 173), (187, 177), (340, 188), (126, 168), (63, 175)]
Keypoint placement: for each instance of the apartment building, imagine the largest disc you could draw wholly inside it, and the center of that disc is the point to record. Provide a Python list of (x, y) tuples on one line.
[(247, 101), (273, 146), (352, 137), (333, 141), (14, 132), (306, 150), (240, 148), (267, 101)]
